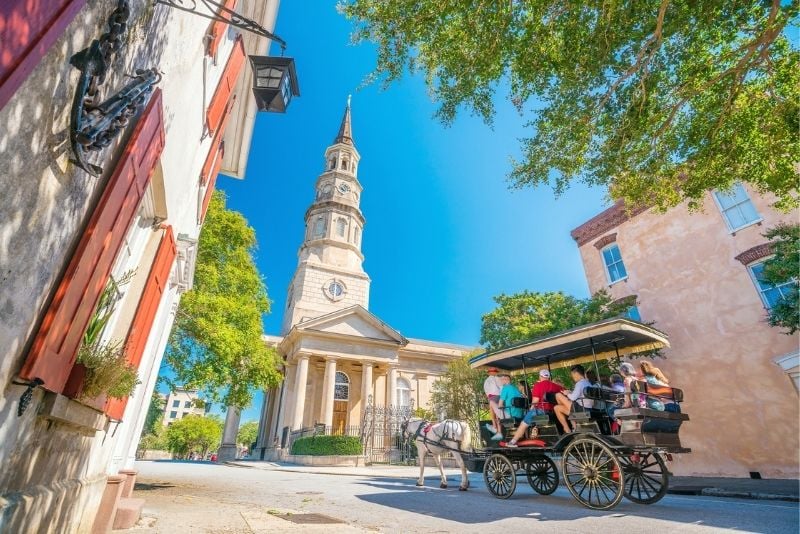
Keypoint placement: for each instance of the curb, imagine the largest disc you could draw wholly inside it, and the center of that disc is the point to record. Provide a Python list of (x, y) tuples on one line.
[(717, 492)]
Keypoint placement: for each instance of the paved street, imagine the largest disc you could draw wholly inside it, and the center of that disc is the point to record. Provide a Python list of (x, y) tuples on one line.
[(207, 498)]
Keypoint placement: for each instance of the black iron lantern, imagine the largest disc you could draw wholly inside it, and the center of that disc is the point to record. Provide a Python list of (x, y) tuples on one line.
[(274, 82)]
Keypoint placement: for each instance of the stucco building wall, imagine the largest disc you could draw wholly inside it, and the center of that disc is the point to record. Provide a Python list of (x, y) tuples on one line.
[(683, 268)]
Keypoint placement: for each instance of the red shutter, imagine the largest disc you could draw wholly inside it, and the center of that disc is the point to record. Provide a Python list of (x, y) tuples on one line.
[(212, 182), (28, 28), (56, 344), (218, 30), (214, 157), (219, 102), (145, 316)]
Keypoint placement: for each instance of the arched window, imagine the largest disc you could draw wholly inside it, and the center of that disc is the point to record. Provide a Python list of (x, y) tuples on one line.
[(319, 227), (403, 392), (341, 227), (341, 387), (344, 164), (332, 164)]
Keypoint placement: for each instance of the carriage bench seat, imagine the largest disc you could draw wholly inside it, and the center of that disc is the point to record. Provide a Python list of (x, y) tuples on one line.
[(646, 427)]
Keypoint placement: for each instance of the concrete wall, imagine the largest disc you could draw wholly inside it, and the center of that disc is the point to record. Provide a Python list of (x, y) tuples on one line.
[(743, 406), (56, 456)]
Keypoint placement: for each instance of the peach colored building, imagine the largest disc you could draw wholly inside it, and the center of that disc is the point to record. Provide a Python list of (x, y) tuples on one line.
[(696, 277)]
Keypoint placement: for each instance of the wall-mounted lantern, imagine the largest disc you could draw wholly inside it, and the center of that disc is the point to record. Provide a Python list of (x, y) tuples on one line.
[(274, 82)]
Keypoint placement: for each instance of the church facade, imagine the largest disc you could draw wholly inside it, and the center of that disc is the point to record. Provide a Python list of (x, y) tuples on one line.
[(338, 356)]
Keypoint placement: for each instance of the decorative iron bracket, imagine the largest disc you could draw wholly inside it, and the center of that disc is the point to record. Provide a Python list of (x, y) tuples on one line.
[(94, 124), (219, 13), (27, 395)]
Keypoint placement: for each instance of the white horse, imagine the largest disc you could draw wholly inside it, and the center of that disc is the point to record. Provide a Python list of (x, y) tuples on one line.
[(436, 439)]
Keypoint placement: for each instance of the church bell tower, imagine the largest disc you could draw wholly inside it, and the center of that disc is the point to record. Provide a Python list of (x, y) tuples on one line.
[(329, 274)]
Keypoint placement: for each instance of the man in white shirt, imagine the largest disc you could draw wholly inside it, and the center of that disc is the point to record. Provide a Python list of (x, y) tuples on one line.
[(492, 387), (565, 399)]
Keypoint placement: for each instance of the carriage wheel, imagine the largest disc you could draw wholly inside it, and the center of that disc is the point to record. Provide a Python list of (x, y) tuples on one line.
[(500, 476), (542, 475), (593, 474), (646, 477)]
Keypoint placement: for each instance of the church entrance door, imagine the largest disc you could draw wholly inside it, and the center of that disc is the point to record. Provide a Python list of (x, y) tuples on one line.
[(339, 416)]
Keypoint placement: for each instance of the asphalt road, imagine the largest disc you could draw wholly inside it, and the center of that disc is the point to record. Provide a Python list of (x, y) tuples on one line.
[(208, 498)]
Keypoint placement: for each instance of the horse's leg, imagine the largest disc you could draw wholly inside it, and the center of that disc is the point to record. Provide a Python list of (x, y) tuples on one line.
[(464, 476), (441, 470), (421, 458)]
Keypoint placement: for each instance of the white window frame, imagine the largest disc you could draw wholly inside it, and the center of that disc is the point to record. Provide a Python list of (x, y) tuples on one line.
[(605, 265), (757, 284), (403, 389), (346, 382), (723, 211)]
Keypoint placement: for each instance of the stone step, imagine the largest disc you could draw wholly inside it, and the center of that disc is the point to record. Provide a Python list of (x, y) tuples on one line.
[(128, 513)]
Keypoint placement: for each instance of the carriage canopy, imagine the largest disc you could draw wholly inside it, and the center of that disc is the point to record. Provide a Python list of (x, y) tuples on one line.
[(601, 340)]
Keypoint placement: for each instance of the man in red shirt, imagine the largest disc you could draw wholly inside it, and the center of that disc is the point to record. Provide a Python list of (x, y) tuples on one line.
[(539, 404)]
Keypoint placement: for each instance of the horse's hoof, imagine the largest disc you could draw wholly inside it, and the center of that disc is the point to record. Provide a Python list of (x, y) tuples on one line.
[(420, 484), (443, 486), (462, 489)]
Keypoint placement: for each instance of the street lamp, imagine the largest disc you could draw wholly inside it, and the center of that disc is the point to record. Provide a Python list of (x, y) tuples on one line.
[(274, 82)]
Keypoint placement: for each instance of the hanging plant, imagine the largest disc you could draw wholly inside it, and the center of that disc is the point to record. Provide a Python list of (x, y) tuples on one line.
[(108, 371)]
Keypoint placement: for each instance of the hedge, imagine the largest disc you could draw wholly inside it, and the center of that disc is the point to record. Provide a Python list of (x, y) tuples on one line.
[(327, 446)]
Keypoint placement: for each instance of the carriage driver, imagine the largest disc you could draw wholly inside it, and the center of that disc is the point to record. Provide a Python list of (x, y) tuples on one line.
[(543, 389), (492, 387)]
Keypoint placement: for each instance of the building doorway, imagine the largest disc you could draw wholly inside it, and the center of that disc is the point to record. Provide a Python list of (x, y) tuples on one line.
[(341, 398)]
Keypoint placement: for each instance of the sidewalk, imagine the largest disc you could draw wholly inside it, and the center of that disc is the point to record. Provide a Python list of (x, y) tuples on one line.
[(742, 488)]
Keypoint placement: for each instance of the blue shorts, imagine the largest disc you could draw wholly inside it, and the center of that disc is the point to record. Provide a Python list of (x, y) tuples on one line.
[(533, 412)]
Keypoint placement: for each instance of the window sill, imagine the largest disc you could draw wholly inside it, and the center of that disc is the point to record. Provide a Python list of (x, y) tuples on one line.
[(615, 282), (67, 411), (757, 222)]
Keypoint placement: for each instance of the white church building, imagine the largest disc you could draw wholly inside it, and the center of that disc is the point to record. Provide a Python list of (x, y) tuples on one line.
[(337, 355)]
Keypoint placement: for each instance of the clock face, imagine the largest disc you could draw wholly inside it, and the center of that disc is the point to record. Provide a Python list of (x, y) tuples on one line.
[(334, 290), (344, 188)]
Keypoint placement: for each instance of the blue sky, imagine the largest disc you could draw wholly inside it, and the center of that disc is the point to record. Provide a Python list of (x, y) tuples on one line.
[(444, 233)]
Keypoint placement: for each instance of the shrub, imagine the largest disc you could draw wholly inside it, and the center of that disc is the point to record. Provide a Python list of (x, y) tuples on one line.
[(327, 446)]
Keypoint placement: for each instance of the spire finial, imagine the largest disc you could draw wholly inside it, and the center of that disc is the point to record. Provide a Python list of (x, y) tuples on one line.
[(345, 134)]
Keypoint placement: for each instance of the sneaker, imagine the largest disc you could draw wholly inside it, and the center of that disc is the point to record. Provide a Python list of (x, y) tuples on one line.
[(497, 437), (512, 444), (490, 428)]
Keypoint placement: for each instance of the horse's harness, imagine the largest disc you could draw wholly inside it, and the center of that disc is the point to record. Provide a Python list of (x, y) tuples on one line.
[(422, 434)]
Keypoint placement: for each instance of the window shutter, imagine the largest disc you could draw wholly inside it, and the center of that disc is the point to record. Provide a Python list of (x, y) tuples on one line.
[(217, 31), (59, 337), (214, 157), (27, 30), (211, 183), (222, 95), (145, 316)]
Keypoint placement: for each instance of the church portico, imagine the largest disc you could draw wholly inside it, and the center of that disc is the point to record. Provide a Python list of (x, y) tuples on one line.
[(339, 356)]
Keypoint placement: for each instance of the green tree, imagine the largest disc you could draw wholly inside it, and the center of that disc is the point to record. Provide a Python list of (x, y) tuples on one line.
[(156, 440), (784, 267), (216, 343), (194, 433), (458, 394), (658, 101), (248, 433), (155, 414), (528, 315)]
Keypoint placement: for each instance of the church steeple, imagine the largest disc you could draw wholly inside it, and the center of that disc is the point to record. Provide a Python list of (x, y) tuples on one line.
[(329, 274), (345, 134)]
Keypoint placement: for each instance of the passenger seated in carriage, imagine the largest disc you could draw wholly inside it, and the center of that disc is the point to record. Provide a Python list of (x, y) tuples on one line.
[(566, 400), (542, 390), (506, 402)]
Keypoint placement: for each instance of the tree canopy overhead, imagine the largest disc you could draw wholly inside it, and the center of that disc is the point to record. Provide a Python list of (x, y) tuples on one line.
[(216, 343), (658, 101)]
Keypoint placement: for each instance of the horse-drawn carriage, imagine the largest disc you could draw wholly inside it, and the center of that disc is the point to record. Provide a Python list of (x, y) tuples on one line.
[(615, 451)]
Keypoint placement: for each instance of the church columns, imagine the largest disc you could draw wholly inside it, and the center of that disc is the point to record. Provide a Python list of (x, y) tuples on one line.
[(300, 392), (391, 387), (329, 381), (366, 384)]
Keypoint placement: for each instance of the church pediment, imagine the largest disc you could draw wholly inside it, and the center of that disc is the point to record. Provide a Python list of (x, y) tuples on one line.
[(354, 321)]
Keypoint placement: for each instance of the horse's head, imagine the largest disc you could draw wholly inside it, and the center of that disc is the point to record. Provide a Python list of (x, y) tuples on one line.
[(409, 426)]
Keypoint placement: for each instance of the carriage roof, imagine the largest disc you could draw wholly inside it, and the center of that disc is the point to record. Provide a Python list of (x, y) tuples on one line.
[(602, 340)]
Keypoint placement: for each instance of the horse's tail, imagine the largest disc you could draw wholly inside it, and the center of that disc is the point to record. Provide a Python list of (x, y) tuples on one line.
[(466, 437)]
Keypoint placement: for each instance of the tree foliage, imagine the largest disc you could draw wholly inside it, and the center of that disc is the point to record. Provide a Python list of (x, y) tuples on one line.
[(155, 439), (659, 101), (248, 433), (784, 267), (458, 393), (194, 433), (155, 414), (216, 343), (528, 315)]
